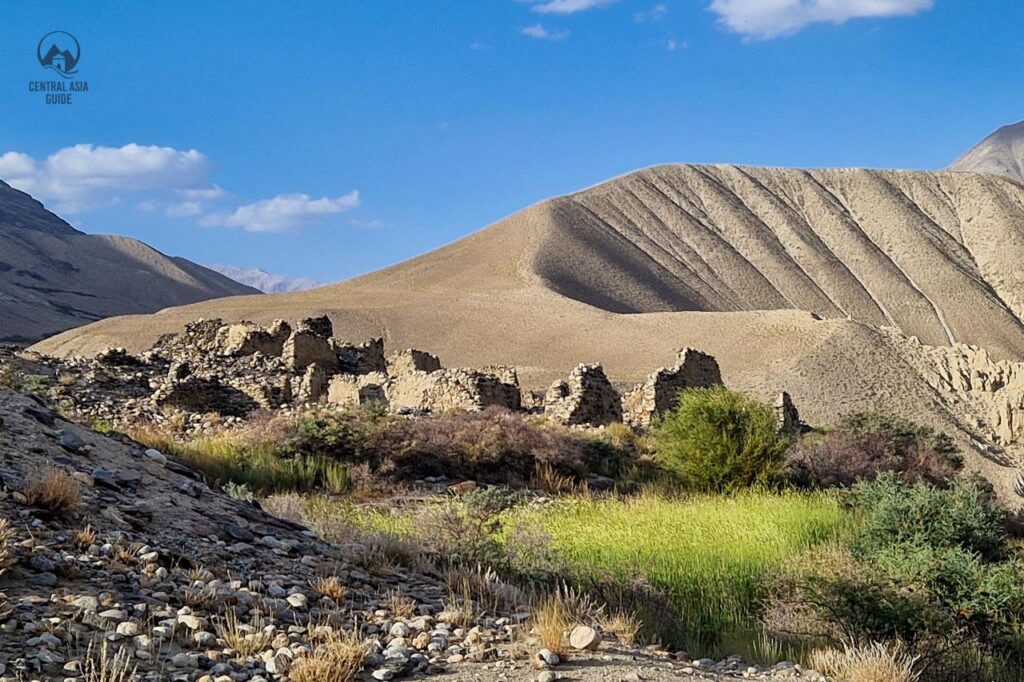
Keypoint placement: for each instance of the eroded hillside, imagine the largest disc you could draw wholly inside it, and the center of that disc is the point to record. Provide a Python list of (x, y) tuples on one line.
[(788, 277)]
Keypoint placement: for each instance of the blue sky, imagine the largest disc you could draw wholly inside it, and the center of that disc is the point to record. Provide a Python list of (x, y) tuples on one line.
[(328, 139)]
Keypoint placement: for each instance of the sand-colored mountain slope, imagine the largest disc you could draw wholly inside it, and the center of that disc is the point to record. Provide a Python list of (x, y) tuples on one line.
[(739, 262), (53, 277), (1001, 153), (933, 254)]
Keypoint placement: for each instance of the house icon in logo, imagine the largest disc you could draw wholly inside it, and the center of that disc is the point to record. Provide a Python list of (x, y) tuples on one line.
[(59, 51)]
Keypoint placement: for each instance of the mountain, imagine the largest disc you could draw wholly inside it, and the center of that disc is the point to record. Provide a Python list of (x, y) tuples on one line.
[(812, 281), (265, 281), (53, 277), (1001, 153)]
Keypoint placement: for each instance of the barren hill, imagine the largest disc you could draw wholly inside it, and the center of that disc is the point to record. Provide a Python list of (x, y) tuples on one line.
[(1001, 153), (786, 276), (53, 277)]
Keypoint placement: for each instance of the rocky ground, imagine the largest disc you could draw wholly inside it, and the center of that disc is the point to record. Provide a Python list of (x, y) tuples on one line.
[(115, 548)]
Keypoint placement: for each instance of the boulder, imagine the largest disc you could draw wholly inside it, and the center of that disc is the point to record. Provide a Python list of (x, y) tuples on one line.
[(587, 397), (584, 638)]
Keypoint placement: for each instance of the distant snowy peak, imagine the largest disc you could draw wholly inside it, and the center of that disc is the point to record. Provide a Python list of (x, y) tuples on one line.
[(265, 281)]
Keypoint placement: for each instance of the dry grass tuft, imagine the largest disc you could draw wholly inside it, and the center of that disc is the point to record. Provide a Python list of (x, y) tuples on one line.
[(100, 666), (485, 587), (551, 622), (399, 605), (338, 659), (55, 490), (876, 662), (330, 586), (85, 538), (6, 551), (204, 598), (246, 639), (623, 626)]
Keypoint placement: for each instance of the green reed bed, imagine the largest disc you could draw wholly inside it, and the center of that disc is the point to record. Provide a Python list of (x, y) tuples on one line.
[(712, 555)]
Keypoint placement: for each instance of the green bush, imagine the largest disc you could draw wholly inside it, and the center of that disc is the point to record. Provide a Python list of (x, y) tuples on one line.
[(962, 516), (928, 567), (717, 440)]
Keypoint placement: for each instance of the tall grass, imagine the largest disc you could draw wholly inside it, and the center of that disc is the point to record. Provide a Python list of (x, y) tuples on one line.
[(262, 467), (710, 554)]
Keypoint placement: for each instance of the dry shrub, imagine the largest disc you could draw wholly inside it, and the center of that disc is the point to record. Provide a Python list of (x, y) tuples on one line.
[(99, 665), (200, 598), (339, 658), (484, 587), (6, 550), (550, 480), (287, 506), (551, 621), (491, 446), (866, 445), (623, 626), (330, 586), (246, 639), (85, 538), (399, 605), (54, 490), (459, 608), (875, 662)]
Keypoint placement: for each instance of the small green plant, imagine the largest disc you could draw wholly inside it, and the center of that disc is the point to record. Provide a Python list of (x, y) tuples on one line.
[(717, 440), (239, 491)]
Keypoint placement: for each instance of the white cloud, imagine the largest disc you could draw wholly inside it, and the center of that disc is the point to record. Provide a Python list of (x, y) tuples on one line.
[(86, 176), (766, 19), (283, 213), (566, 6), (540, 33), (184, 209), (656, 13), (672, 45), (205, 193), (15, 166)]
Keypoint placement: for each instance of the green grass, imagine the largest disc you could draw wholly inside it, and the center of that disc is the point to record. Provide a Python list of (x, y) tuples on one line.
[(712, 555), (261, 467)]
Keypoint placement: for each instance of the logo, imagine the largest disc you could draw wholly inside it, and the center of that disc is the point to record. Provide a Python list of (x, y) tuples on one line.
[(60, 52)]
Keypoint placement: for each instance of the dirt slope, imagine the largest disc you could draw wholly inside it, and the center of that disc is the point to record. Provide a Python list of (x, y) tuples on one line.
[(1001, 153), (53, 277), (784, 275)]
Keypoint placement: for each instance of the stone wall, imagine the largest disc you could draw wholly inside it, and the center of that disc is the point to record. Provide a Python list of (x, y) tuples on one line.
[(587, 397), (412, 360), (661, 389)]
